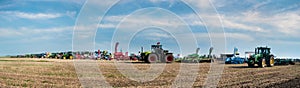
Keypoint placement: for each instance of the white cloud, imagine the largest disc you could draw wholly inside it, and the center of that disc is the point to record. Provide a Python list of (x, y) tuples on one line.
[(287, 23), (9, 32), (203, 4), (284, 23), (235, 25), (24, 31), (105, 26), (227, 22), (37, 15), (235, 36), (240, 36), (32, 15), (258, 5), (156, 36), (71, 14)]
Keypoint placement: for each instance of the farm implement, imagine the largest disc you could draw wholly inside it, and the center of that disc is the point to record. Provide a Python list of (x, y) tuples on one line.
[(234, 58), (195, 58), (284, 62)]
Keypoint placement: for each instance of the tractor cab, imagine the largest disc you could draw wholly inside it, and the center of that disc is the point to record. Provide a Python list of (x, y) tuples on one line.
[(264, 51), (157, 46)]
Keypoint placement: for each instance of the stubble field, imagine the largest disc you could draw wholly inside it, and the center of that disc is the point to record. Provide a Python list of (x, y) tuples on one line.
[(17, 72)]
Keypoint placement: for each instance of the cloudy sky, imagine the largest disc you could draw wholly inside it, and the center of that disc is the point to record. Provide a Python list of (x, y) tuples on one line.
[(36, 26)]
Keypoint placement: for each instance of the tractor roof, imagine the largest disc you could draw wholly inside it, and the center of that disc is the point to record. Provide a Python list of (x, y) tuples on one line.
[(263, 47)]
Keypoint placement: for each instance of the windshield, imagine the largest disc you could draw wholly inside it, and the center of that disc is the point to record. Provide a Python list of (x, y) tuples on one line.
[(263, 50)]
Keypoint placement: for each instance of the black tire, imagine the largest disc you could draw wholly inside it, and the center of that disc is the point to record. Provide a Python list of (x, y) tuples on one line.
[(251, 64), (262, 63)]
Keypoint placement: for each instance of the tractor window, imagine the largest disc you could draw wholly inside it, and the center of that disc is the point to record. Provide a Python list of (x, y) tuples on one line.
[(263, 51), (267, 51), (259, 51)]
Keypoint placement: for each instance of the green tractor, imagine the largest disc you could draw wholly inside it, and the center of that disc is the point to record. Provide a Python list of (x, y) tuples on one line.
[(262, 57), (157, 55), (68, 55)]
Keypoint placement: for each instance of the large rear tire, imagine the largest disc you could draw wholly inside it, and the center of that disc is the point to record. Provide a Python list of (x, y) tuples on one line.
[(262, 63), (152, 58), (169, 58), (271, 61)]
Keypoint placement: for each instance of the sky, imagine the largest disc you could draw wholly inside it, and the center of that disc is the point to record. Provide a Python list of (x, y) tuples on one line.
[(36, 26)]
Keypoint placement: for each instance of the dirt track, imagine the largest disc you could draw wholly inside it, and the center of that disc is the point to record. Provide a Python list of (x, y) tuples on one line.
[(61, 73)]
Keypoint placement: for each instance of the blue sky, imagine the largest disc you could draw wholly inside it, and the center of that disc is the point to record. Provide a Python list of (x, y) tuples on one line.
[(35, 26)]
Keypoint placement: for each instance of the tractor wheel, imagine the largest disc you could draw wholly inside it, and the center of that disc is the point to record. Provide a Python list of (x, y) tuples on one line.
[(71, 57), (271, 61), (152, 58), (251, 64), (262, 63), (169, 58)]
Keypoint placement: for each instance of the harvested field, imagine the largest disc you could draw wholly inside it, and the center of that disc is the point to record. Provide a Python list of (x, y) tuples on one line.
[(61, 73)]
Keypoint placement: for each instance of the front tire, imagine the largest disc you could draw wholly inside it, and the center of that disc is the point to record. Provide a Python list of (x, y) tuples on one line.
[(262, 63), (251, 63), (152, 58)]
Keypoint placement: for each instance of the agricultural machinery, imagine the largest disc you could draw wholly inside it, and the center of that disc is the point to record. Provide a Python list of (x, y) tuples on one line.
[(157, 54), (102, 55), (134, 57), (195, 58), (120, 55), (53, 55), (234, 58), (41, 55), (68, 55), (284, 62), (262, 57)]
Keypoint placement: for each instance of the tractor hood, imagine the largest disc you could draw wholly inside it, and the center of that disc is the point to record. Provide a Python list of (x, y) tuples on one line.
[(257, 55)]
